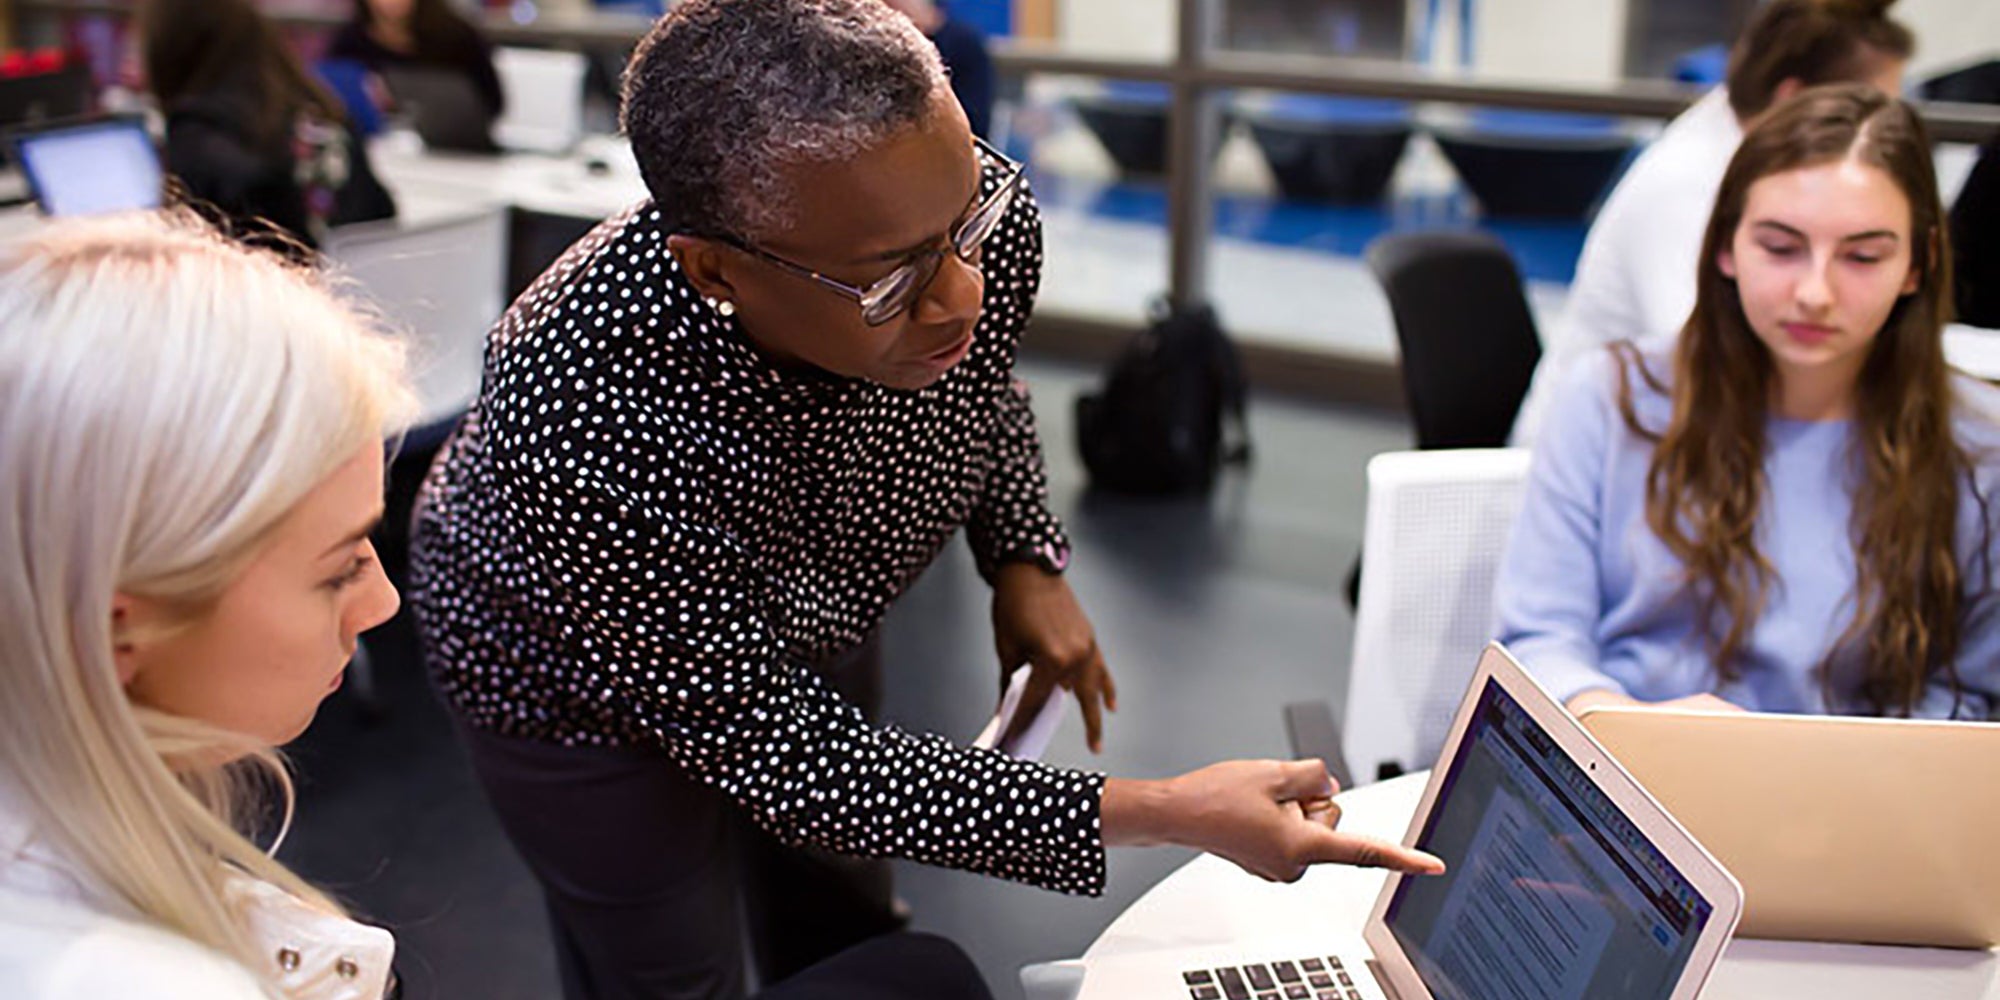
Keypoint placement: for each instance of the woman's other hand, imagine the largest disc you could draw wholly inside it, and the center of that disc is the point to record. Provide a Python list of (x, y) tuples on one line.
[(1037, 621), (1272, 818)]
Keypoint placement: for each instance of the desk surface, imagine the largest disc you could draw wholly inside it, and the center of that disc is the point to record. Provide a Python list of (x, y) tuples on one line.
[(598, 179), (1210, 902)]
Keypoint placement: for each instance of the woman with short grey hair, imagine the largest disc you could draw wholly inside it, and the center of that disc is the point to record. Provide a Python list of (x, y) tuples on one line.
[(715, 441)]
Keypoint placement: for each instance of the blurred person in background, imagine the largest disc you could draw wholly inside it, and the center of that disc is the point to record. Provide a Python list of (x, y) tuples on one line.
[(420, 33), (263, 149), (1635, 278), (1975, 240), (964, 49)]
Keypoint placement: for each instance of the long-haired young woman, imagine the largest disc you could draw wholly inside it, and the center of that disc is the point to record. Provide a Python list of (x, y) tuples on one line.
[(190, 465), (1786, 508)]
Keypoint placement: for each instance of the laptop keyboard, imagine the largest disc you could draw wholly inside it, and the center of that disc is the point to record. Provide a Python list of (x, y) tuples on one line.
[(1305, 979)]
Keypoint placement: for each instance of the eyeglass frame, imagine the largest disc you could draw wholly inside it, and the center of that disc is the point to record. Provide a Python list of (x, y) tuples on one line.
[(932, 258)]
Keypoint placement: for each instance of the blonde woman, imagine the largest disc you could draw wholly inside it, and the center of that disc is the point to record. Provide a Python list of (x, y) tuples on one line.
[(190, 468), (190, 465)]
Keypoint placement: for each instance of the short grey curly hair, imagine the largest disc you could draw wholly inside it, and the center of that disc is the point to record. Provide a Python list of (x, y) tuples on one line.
[(723, 95)]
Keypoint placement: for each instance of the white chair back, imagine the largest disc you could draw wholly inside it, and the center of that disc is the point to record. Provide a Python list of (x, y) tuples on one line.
[(1437, 524), (439, 279), (544, 91)]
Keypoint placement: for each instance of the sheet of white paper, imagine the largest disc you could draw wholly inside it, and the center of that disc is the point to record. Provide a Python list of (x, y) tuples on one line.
[(1034, 740)]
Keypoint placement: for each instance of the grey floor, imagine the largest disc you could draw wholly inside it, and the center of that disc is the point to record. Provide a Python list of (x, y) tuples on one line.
[(1212, 615)]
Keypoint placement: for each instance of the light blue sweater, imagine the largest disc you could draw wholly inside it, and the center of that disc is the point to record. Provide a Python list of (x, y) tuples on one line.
[(1588, 597)]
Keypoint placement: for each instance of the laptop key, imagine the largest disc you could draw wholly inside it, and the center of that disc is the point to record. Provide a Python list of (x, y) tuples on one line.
[(1233, 986), (1297, 991), (1320, 981), (1204, 992), (1346, 980), (1287, 972), (1313, 965), (1353, 995), (1333, 963), (1197, 977), (1327, 995), (1260, 978), (1269, 996)]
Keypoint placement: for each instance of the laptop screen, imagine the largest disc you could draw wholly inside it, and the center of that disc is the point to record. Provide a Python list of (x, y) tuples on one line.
[(101, 166), (1551, 893)]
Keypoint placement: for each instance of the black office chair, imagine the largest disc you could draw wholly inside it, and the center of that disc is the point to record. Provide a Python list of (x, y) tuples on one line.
[(1468, 341), (1469, 350)]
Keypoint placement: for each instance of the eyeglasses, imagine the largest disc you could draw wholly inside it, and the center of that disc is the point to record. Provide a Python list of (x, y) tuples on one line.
[(885, 298)]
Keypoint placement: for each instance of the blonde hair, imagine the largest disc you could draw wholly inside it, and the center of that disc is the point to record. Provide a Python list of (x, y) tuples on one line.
[(166, 398)]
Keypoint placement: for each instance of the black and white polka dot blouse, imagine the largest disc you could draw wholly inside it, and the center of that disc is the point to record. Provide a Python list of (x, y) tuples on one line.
[(643, 532)]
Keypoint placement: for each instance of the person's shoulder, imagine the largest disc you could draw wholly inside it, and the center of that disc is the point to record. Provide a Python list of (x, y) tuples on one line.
[(1976, 419), (1597, 373), (1683, 166), (50, 952), (619, 253), (1587, 394)]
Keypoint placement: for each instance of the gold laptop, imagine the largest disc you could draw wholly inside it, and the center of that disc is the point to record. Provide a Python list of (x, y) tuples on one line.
[(1884, 831)]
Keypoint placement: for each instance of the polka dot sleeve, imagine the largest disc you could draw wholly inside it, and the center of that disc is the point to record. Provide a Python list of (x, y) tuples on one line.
[(695, 661), (1012, 520)]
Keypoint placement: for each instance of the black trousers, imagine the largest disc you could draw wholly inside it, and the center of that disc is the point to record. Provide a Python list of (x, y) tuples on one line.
[(653, 878), (900, 966)]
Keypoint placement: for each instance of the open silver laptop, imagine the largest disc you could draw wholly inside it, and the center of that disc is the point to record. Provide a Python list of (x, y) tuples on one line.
[(1565, 880), (1841, 829)]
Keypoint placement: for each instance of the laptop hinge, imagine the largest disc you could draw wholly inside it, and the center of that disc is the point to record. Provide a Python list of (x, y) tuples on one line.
[(1382, 980)]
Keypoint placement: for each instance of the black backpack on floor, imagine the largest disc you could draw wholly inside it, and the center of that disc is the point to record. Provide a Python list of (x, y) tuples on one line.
[(1158, 426)]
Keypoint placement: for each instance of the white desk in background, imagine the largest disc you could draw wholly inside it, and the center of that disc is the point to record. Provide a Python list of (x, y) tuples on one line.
[(597, 179), (1210, 902)]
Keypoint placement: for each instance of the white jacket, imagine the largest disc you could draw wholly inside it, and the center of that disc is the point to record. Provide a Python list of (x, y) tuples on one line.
[(62, 940), (1635, 278)]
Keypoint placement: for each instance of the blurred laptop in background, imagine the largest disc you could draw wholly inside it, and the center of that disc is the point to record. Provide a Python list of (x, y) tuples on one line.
[(90, 166)]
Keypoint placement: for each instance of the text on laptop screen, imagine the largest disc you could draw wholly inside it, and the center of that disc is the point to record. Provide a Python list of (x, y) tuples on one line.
[(1551, 892), (106, 166)]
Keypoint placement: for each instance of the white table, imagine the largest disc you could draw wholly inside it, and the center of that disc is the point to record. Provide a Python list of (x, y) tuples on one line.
[(1210, 902), (597, 179)]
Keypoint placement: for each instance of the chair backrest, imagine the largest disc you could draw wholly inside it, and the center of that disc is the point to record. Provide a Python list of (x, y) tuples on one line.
[(1468, 341), (544, 90), (1437, 524), (436, 274)]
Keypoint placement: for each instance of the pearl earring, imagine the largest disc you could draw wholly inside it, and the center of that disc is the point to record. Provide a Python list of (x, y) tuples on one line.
[(723, 307)]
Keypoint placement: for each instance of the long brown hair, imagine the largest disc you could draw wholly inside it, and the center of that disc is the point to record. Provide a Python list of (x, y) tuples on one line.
[(194, 47), (1706, 480)]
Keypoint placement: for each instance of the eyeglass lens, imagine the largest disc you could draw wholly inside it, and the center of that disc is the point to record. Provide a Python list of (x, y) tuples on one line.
[(896, 291)]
